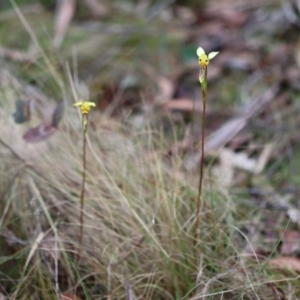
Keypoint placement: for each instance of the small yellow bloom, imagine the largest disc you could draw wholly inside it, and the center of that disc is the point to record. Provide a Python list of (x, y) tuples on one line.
[(85, 106), (203, 58)]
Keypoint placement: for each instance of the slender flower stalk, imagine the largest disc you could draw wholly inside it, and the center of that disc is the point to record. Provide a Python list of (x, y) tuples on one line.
[(84, 108), (203, 62)]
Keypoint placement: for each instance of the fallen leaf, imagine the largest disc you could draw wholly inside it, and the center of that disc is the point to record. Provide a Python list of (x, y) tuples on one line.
[(39, 133), (23, 111), (183, 104), (286, 262), (290, 242), (58, 113), (166, 89)]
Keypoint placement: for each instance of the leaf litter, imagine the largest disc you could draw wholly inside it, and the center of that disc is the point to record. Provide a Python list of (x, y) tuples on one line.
[(259, 55)]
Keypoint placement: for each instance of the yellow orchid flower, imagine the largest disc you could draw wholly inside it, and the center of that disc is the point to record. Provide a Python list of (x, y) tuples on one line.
[(203, 58), (85, 106)]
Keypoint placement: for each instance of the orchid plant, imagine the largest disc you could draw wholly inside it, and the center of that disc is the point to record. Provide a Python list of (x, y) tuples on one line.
[(85, 107), (203, 60)]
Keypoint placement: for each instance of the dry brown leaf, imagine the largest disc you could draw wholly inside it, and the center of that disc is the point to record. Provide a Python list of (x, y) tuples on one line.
[(290, 242), (44, 131), (183, 104), (286, 262), (39, 133), (166, 89), (58, 113)]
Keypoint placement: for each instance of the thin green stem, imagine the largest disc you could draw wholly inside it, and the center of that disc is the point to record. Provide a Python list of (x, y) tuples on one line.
[(199, 196), (84, 124)]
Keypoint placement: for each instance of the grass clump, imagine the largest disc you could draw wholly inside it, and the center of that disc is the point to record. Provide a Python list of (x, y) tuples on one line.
[(140, 212), (139, 215), (139, 218)]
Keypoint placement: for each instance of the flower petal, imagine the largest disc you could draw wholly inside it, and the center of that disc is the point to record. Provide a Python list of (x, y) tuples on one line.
[(200, 51), (212, 54), (91, 104), (78, 103)]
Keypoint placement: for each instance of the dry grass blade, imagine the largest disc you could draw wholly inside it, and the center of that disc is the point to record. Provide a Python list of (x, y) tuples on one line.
[(68, 296), (34, 247), (126, 255), (64, 15), (133, 213), (278, 293)]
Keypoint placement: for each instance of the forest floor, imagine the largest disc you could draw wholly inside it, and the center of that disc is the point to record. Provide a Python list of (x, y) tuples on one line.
[(138, 64)]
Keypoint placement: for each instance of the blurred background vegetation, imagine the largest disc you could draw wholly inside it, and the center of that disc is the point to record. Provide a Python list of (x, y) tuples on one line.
[(137, 61)]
